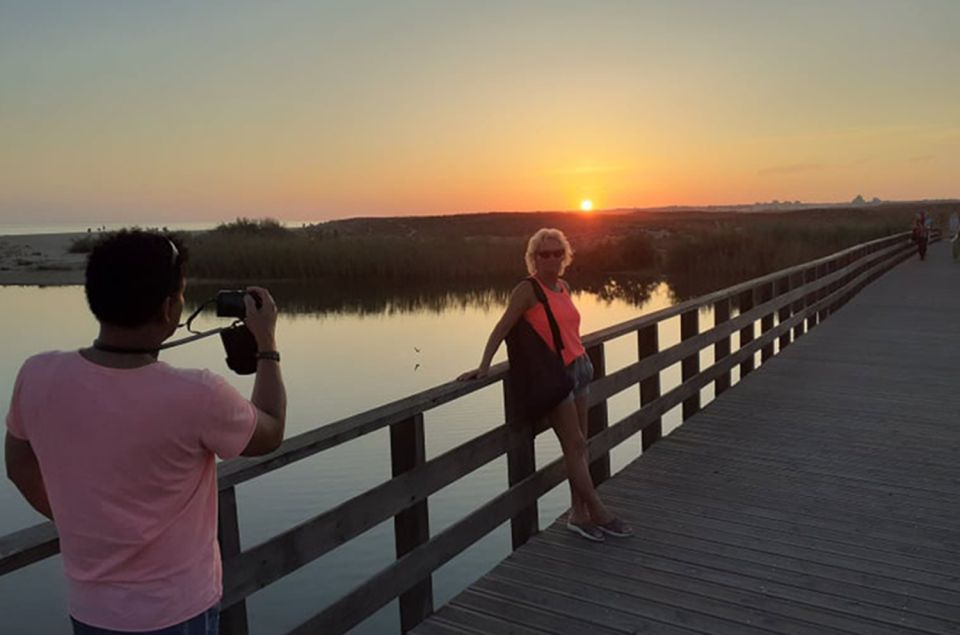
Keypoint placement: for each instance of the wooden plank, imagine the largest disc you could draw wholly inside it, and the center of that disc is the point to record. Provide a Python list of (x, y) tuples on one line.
[(468, 620), (826, 592), (722, 595), (594, 606), (651, 519), (443, 627), (639, 597), (816, 538), (855, 530), (412, 525), (523, 616), (814, 504), (26, 546)]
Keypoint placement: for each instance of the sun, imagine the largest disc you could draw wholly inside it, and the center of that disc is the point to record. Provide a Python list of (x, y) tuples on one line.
[(586, 205)]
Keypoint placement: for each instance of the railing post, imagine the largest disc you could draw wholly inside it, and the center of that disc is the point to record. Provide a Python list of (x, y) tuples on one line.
[(233, 619), (830, 268), (848, 261), (809, 275), (721, 314), (690, 365), (746, 333), (800, 328), (597, 420), (783, 287), (521, 463), (765, 294), (411, 527), (811, 298), (822, 271), (648, 344)]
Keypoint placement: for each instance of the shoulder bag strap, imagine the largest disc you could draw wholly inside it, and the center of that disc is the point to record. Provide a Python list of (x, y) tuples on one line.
[(557, 340)]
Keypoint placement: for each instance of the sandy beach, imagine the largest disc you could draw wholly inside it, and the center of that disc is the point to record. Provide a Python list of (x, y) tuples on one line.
[(40, 259)]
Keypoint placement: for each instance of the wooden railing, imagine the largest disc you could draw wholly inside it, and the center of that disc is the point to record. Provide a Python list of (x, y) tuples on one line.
[(786, 304)]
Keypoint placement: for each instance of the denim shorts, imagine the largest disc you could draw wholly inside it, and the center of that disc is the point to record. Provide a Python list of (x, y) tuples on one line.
[(207, 623), (580, 372)]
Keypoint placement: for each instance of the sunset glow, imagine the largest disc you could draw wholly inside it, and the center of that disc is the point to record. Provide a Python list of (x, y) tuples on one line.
[(586, 205), (323, 110)]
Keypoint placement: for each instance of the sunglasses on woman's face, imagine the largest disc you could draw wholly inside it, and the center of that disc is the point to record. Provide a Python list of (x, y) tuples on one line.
[(551, 253)]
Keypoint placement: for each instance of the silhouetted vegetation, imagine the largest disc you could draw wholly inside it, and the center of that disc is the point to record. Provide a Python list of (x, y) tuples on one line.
[(399, 264), (719, 246)]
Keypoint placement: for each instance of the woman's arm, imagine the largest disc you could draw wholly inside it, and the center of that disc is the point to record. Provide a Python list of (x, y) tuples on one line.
[(521, 300)]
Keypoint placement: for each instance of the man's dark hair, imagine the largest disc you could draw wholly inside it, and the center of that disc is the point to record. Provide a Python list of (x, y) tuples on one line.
[(130, 273)]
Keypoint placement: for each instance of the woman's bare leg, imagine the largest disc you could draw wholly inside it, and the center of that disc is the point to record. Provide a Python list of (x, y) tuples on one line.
[(573, 443), (577, 504)]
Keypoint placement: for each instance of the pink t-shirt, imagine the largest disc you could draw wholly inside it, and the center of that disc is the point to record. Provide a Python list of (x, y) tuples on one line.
[(127, 457), (568, 321)]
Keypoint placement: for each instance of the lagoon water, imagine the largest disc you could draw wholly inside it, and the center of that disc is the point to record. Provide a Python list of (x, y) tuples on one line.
[(336, 362)]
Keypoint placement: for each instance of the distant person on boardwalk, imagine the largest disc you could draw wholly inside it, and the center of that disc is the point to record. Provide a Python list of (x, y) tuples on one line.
[(548, 254), (921, 234), (118, 448)]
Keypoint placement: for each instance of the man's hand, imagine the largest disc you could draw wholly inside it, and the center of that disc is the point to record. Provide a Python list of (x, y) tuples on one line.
[(262, 321)]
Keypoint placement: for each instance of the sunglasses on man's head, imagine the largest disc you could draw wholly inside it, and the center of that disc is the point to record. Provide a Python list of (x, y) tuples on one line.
[(551, 253)]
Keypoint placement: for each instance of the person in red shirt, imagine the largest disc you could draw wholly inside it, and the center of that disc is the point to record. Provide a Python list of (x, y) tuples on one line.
[(118, 448), (548, 254)]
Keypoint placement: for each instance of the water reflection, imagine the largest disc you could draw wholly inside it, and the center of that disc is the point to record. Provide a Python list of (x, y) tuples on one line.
[(372, 297)]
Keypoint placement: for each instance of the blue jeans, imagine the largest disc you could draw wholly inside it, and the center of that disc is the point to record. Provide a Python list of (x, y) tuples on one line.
[(207, 623), (580, 372)]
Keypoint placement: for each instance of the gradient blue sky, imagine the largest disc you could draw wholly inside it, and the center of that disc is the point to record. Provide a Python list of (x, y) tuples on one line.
[(127, 111)]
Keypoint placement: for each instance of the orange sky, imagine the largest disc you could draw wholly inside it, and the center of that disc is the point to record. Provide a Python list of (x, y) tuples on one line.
[(170, 111)]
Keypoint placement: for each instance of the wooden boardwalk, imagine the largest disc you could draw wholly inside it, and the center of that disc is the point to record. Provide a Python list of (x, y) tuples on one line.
[(819, 495)]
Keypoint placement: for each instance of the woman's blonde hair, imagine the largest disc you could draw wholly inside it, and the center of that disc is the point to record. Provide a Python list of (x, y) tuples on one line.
[(533, 245)]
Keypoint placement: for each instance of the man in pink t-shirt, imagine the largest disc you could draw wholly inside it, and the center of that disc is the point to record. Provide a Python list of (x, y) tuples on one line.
[(118, 448)]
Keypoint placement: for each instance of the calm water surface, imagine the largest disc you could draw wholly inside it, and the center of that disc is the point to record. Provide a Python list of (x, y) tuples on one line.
[(335, 364)]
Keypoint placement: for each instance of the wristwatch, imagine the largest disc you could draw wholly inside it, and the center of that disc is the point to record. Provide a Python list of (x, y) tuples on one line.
[(271, 355)]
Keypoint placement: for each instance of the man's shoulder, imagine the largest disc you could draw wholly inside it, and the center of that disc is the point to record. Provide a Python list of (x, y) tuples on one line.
[(40, 362)]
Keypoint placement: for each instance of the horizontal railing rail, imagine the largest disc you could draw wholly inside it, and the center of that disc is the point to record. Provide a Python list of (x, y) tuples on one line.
[(786, 304)]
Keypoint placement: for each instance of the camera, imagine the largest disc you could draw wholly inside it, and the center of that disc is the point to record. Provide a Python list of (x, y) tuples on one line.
[(230, 303), (238, 342)]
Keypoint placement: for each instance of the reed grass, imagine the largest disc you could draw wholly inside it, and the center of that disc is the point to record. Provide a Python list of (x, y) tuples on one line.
[(697, 251)]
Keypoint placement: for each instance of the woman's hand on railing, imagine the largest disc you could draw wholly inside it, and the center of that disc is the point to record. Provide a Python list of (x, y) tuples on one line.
[(476, 373)]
